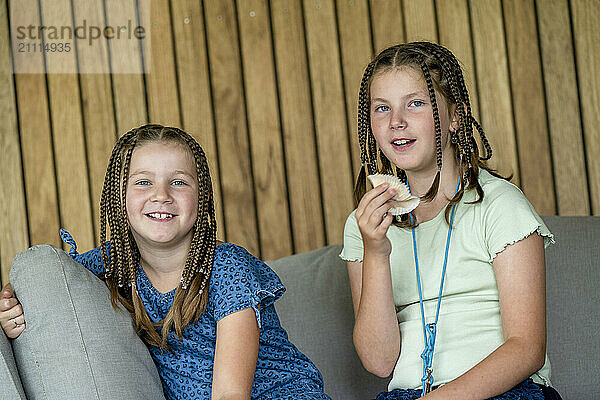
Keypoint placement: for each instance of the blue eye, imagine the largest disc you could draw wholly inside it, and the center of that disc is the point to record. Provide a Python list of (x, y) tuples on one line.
[(142, 182), (417, 103), (382, 108), (179, 183)]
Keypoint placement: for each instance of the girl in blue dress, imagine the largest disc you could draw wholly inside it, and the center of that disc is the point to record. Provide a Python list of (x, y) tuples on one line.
[(204, 308)]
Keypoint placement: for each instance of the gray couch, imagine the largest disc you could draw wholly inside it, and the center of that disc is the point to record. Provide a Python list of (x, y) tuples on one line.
[(317, 313)]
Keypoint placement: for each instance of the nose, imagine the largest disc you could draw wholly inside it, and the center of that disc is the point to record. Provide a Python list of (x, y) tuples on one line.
[(397, 121), (161, 193)]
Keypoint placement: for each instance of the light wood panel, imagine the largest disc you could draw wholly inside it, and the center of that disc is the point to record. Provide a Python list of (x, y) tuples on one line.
[(419, 20), (263, 126), (194, 89), (127, 67), (562, 102), (14, 235), (586, 14), (494, 86), (237, 182), (67, 131), (97, 98), (297, 124), (269, 89), (161, 79), (529, 106), (36, 137), (387, 23), (356, 47), (330, 116)]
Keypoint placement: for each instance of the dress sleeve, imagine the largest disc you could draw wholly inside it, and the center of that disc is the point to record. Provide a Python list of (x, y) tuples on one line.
[(240, 280), (353, 243), (509, 217), (91, 260)]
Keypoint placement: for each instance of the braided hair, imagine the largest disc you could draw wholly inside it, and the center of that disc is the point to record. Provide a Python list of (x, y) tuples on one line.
[(442, 73), (122, 260)]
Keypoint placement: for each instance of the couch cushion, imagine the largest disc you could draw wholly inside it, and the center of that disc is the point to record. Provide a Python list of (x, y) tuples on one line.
[(76, 345), (10, 384), (317, 313), (572, 299)]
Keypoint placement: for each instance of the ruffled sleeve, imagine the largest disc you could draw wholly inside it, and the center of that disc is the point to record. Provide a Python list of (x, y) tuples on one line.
[(509, 217), (91, 260), (240, 280), (353, 243)]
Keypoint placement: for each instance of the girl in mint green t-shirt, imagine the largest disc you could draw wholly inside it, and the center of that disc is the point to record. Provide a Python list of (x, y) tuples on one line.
[(472, 323)]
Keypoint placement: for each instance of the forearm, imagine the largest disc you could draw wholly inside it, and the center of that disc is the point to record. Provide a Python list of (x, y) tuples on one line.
[(376, 332), (510, 364)]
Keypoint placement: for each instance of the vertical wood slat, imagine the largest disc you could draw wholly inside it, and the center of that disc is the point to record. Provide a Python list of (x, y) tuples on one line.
[(297, 124), (194, 89), (67, 129), (494, 86), (228, 99), (454, 30), (36, 140), (126, 66), (330, 116), (529, 106), (387, 23), (355, 43), (586, 15), (563, 107), (161, 80), (420, 21), (264, 129), (97, 98), (14, 236)]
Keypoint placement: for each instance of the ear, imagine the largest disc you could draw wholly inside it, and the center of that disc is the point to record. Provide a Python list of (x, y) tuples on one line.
[(455, 117)]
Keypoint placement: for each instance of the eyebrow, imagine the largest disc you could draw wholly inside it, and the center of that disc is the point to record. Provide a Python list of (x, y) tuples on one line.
[(145, 172), (413, 94)]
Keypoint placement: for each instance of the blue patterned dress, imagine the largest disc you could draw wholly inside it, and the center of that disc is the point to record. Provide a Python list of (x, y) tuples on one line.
[(238, 281)]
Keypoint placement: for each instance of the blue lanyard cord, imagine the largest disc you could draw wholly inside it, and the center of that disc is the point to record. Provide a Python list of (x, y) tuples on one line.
[(430, 330)]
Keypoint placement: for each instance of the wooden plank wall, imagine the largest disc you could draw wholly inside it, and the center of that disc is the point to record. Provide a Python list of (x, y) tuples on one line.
[(269, 89)]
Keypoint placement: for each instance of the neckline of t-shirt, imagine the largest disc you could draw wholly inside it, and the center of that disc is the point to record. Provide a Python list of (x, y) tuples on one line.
[(145, 281), (433, 222)]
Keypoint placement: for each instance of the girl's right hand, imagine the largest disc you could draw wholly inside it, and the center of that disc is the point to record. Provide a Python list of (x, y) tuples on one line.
[(11, 313), (374, 220)]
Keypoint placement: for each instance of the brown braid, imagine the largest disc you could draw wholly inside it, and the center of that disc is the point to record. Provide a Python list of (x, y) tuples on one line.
[(431, 193), (121, 262), (442, 73)]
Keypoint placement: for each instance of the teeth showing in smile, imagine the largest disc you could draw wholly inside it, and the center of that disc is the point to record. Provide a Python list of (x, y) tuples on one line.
[(160, 215), (401, 142)]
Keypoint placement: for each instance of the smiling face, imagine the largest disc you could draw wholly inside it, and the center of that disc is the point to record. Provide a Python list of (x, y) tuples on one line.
[(162, 194), (402, 120)]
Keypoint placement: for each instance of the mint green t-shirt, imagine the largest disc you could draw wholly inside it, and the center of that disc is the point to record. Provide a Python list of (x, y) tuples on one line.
[(469, 326)]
